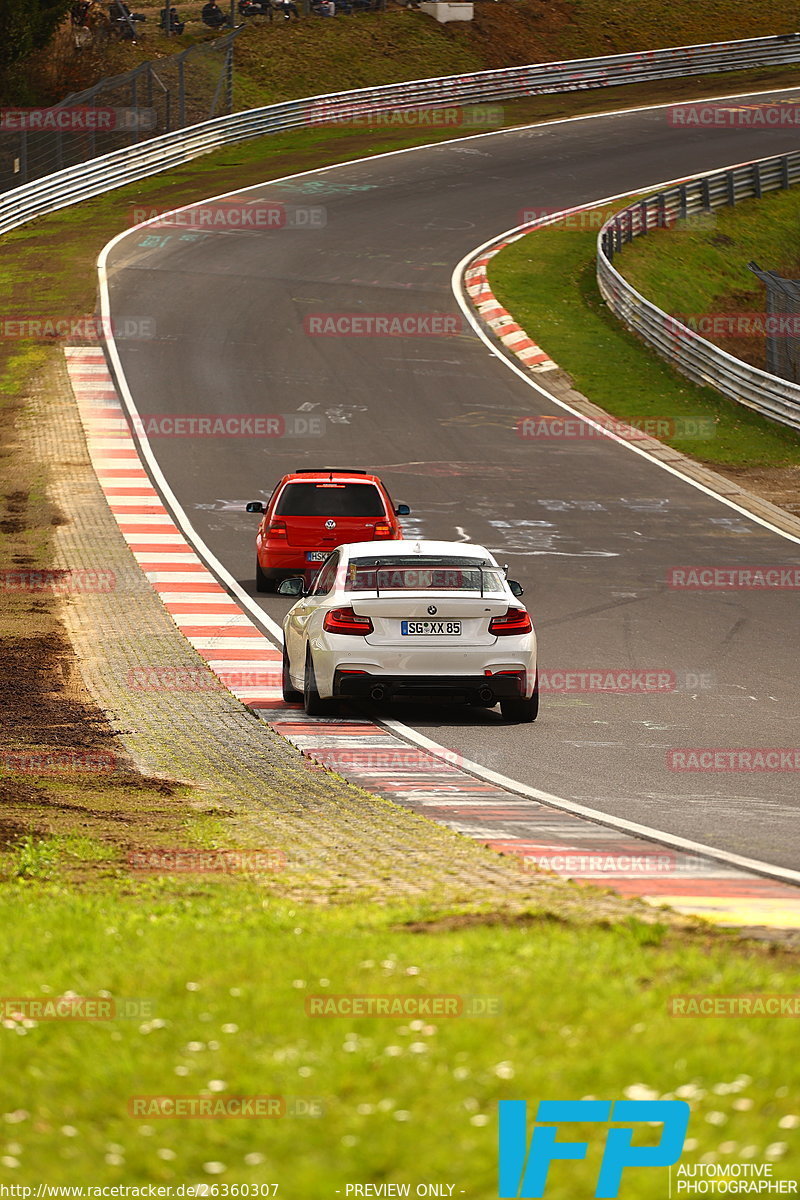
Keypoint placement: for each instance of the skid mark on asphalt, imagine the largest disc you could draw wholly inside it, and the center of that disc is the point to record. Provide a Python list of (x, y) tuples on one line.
[(366, 753)]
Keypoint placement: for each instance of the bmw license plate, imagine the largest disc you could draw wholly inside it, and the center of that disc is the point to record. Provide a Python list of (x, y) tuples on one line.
[(430, 628), (316, 555)]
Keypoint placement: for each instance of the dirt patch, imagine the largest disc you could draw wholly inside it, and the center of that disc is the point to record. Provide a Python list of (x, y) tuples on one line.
[(779, 485), (469, 920), (42, 695), (63, 770)]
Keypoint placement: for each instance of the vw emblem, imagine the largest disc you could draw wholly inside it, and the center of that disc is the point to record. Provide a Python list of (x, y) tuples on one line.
[(432, 610), (330, 524)]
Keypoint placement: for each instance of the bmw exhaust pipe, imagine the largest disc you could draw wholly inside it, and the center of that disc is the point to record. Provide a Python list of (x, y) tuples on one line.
[(485, 694), (378, 692)]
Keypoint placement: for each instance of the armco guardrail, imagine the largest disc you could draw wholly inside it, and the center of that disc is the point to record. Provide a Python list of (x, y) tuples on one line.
[(700, 360), (114, 170)]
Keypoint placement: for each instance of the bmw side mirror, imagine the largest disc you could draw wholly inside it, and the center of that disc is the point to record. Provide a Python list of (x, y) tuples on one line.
[(402, 510), (255, 506), (515, 588), (295, 586)]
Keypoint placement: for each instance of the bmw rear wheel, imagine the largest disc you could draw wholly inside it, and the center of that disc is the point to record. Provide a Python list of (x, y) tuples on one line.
[(522, 709), (313, 703), (290, 692)]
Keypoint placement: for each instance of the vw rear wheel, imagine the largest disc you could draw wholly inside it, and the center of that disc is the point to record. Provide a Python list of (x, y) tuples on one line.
[(263, 582)]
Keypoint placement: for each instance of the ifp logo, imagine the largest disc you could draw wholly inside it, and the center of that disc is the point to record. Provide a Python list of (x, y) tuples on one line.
[(523, 1169)]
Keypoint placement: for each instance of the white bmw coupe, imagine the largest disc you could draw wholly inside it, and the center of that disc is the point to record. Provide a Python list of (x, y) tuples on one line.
[(410, 618)]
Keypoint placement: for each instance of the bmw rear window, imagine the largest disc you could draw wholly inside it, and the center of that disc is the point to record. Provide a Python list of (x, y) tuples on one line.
[(420, 572), (330, 500)]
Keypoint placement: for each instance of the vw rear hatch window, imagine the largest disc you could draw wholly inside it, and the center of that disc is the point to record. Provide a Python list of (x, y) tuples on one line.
[(421, 572), (330, 500)]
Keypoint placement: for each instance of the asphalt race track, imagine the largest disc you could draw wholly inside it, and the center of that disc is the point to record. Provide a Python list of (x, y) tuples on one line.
[(590, 528)]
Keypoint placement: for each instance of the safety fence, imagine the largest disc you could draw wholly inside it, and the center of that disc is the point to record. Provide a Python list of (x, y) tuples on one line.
[(700, 360), (155, 154), (154, 98)]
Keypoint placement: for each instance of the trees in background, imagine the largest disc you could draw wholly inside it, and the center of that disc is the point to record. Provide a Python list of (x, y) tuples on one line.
[(27, 25)]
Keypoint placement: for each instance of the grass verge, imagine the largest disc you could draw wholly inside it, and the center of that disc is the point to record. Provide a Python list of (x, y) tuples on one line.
[(547, 280), (711, 275), (281, 60), (216, 980)]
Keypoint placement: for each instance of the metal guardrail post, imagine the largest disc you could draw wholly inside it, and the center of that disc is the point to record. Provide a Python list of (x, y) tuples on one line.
[(134, 106), (705, 191), (229, 77), (182, 90)]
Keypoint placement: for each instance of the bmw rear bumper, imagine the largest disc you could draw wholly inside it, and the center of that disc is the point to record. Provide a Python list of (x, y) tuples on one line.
[(475, 688)]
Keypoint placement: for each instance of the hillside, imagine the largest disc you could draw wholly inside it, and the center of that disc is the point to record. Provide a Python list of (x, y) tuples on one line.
[(278, 60)]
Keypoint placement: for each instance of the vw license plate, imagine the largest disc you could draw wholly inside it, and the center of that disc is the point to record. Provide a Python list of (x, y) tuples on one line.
[(431, 628), (316, 555)]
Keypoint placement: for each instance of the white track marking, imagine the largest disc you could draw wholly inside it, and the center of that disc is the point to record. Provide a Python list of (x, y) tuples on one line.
[(593, 814), (273, 628), (464, 303)]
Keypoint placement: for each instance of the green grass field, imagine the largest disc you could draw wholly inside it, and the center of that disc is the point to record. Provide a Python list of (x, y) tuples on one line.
[(218, 978), (711, 274)]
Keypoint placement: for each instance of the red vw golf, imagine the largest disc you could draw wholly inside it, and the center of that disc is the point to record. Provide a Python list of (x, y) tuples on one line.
[(311, 512)]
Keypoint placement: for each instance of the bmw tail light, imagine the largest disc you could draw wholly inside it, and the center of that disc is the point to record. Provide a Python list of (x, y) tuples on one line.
[(277, 529), (345, 620), (515, 620), (383, 529)]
